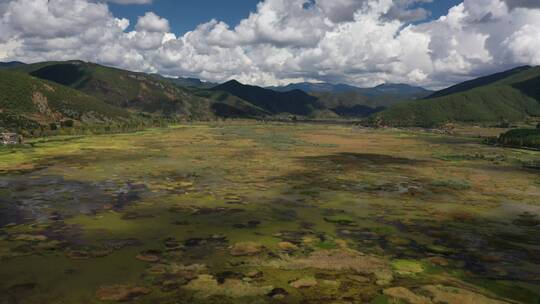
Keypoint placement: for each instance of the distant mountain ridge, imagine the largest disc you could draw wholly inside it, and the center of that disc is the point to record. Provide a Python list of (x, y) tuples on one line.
[(188, 81), (383, 89), (10, 64), (293, 102), (350, 101), (397, 89), (309, 87)]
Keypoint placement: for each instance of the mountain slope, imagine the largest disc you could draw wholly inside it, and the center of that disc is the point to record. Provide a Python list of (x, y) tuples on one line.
[(293, 102), (478, 82), (512, 97), (188, 82), (140, 91), (348, 104), (32, 102)]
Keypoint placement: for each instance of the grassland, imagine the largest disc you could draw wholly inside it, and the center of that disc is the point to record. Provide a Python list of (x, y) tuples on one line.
[(268, 213)]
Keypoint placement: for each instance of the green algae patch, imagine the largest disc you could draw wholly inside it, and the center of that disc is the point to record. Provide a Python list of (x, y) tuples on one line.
[(328, 244), (341, 220), (408, 267), (451, 184)]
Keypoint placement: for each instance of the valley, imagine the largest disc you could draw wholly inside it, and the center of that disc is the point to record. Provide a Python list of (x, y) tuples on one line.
[(251, 212)]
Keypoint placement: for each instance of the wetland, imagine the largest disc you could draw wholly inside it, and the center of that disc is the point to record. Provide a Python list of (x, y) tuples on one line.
[(246, 212)]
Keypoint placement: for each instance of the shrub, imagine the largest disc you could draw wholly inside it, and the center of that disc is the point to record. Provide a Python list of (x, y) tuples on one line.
[(67, 123), (526, 138)]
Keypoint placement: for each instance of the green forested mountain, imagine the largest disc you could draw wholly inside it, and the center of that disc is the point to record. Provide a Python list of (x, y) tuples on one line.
[(50, 92), (478, 82), (29, 102), (140, 91), (512, 95), (38, 96)]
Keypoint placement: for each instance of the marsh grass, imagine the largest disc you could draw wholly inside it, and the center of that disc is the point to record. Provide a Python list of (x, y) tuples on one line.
[(81, 209)]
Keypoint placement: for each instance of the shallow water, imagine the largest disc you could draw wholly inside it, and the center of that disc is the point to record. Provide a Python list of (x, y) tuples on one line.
[(273, 213)]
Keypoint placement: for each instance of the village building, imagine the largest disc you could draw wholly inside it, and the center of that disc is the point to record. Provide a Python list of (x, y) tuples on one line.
[(10, 138)]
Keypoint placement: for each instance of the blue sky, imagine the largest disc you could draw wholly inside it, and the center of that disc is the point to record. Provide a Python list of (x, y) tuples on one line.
[(185, 15), (440, 7)]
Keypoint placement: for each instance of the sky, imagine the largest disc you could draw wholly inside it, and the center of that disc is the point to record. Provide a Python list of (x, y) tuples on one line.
[(429, 43), (185, 15)]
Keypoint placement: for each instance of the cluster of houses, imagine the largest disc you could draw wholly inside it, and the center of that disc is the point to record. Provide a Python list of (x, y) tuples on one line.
[(10, 138)]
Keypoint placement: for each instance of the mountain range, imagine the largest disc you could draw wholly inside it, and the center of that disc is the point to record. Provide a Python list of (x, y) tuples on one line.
[(350, 101), (395, 89), (11, 64), (34, 95)]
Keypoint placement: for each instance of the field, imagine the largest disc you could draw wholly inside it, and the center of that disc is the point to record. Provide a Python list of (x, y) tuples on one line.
[(241, 212)]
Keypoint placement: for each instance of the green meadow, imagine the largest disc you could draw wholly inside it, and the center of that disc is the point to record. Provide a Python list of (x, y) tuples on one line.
[(246, 212)]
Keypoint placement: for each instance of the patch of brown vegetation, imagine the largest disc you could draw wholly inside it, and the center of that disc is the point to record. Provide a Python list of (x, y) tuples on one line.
[(339, 259), (287, 246), (245, 249), (120, 293), (42, 105), (454, 295), (147, 258), (207, 286), (438, 294), (304, 283), (403, 294), (48, 88), (41, 102)]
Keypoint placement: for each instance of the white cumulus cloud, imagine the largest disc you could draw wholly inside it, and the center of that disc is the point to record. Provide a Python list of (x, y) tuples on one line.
[(151, 22), (361, 42)]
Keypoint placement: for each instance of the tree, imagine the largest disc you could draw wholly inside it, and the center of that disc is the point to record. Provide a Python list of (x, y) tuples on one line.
[(504, 123)]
